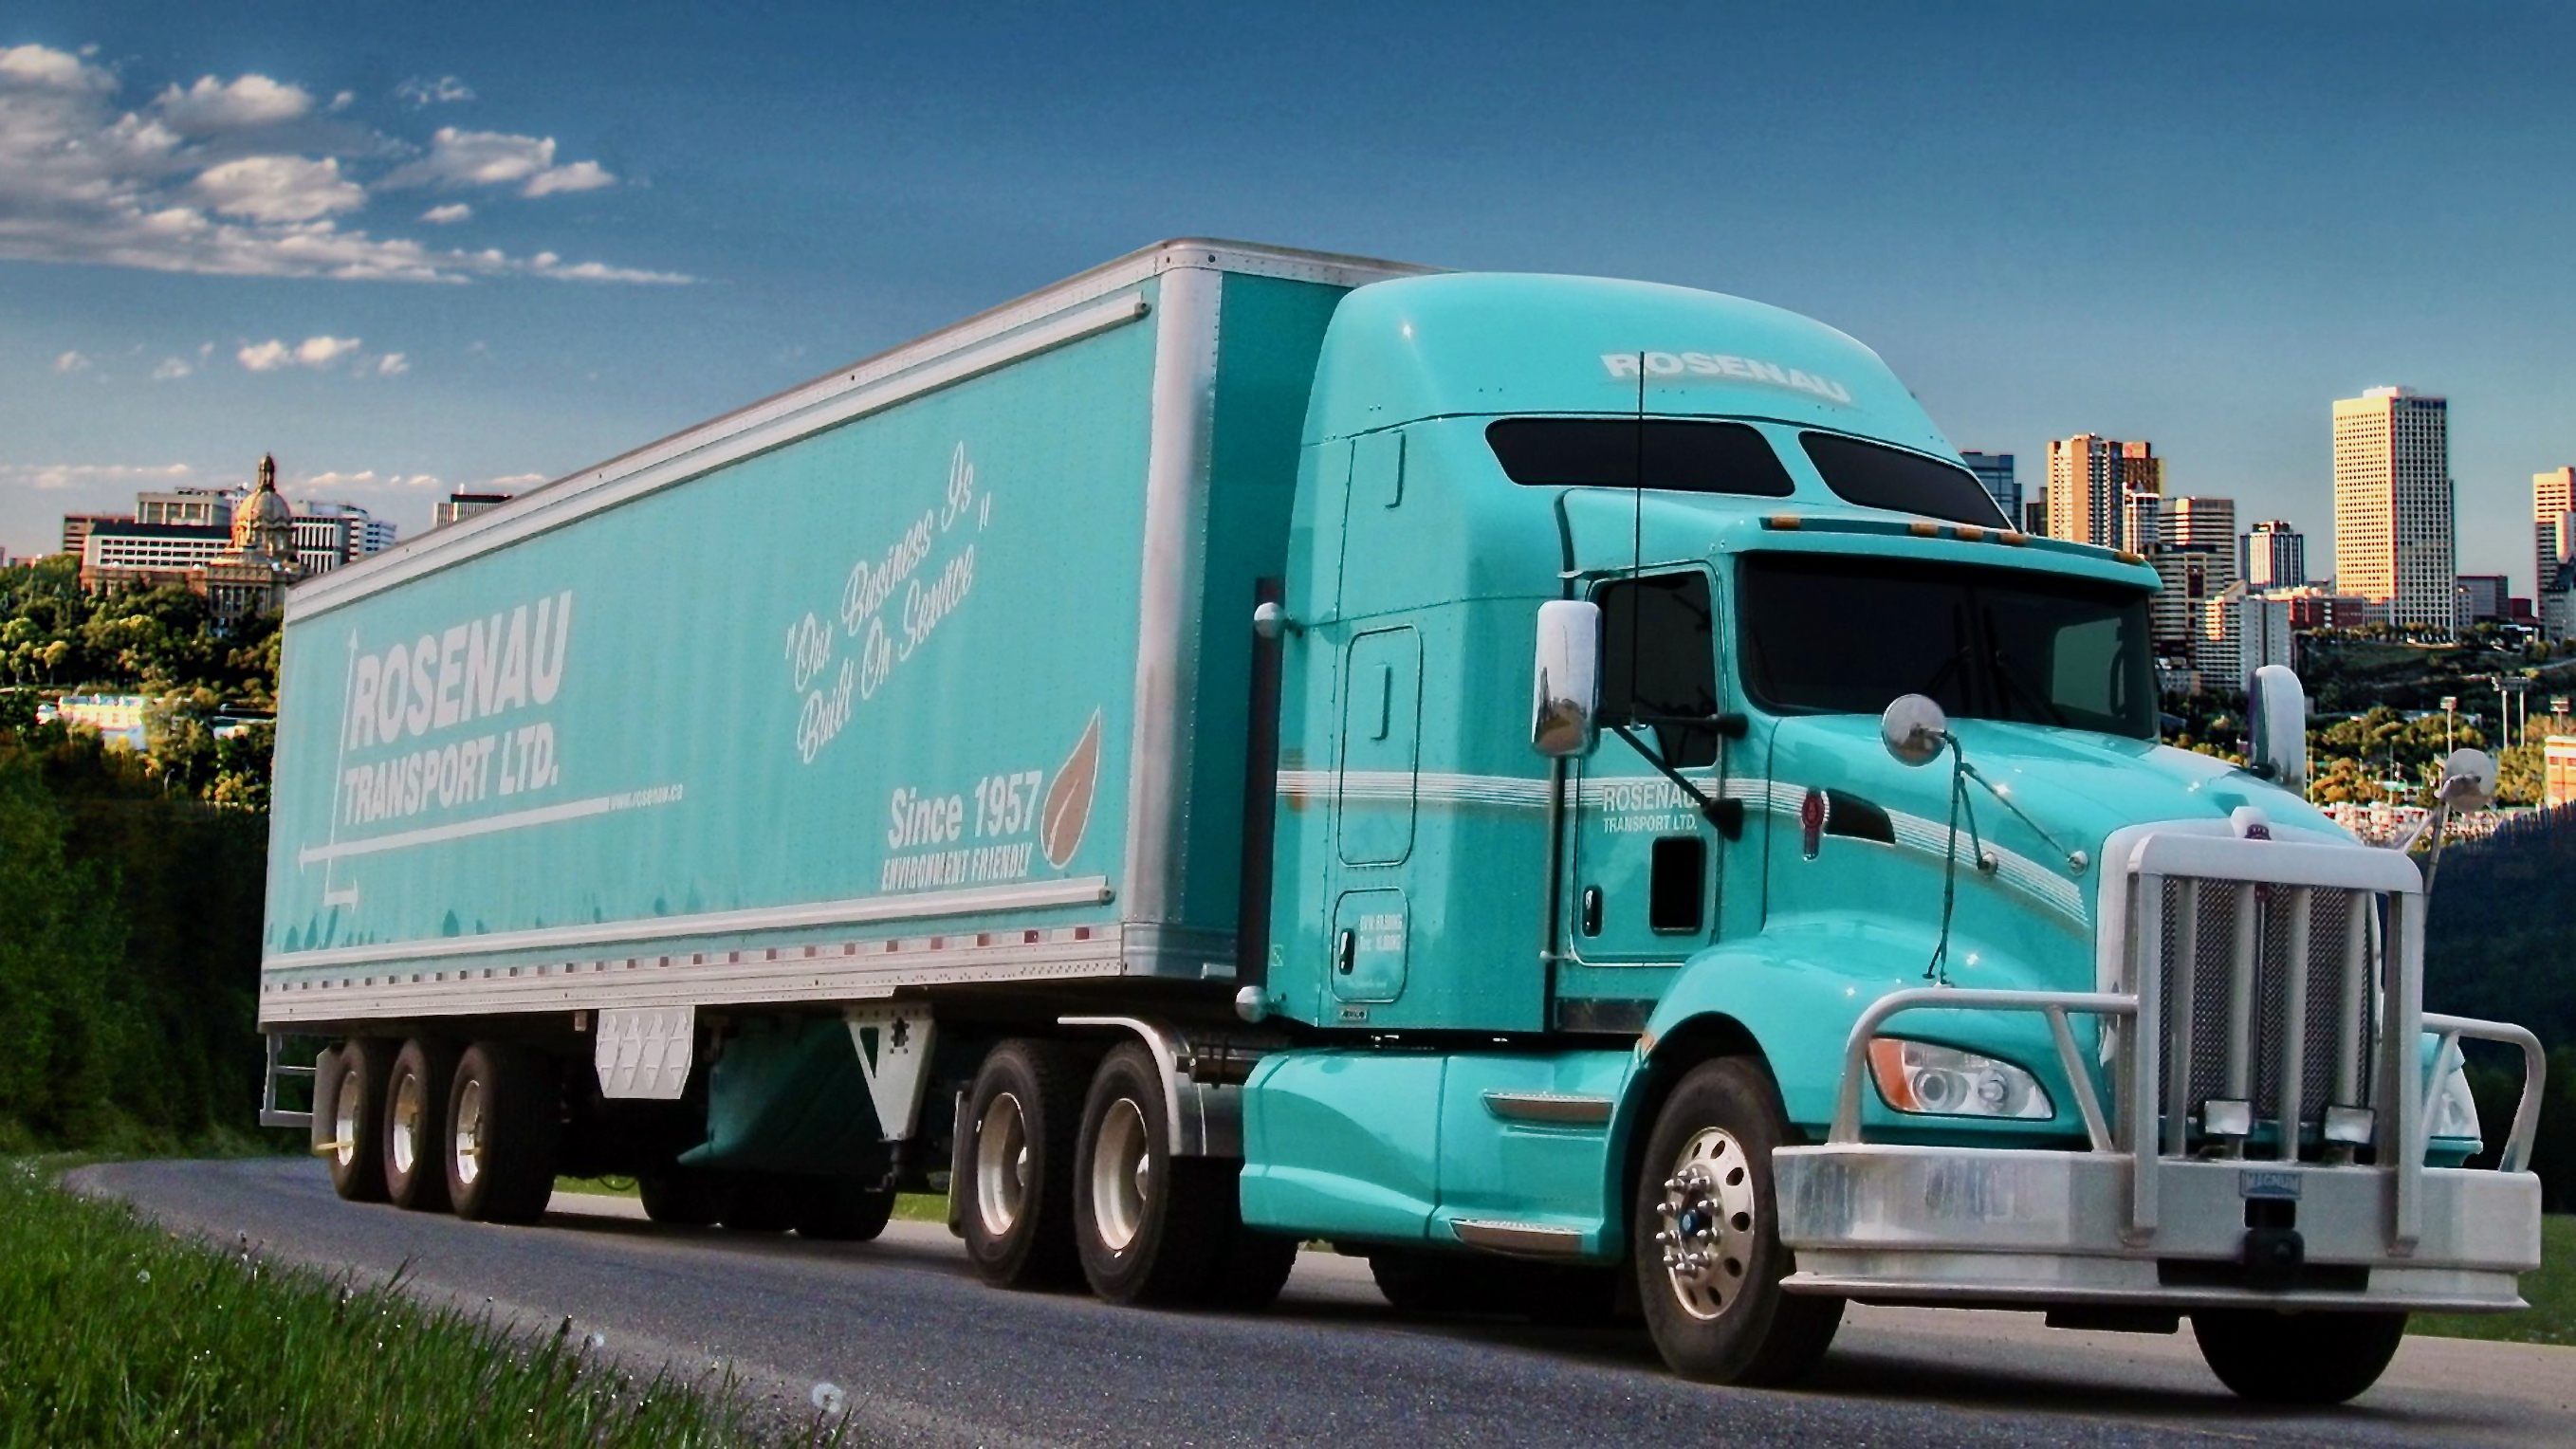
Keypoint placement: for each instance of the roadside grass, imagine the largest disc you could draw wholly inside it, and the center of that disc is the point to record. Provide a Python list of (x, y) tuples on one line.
[(911, 1207), (2551, 1292), (112, 1332)]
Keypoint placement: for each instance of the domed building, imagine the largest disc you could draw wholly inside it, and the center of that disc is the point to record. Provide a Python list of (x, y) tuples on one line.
[(252, 577)]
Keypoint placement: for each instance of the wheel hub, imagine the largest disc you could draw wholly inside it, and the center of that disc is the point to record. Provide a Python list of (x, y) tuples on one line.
[(1708, 1224)]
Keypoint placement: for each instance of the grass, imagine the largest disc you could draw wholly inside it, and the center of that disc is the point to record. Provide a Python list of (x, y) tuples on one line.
[(114, 1333), (911, 1207), (2551, 1291)]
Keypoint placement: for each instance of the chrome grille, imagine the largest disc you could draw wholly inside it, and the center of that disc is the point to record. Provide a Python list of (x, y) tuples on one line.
[(2243, 996)]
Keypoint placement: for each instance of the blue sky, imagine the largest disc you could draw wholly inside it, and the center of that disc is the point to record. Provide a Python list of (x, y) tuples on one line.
[(490, 244)]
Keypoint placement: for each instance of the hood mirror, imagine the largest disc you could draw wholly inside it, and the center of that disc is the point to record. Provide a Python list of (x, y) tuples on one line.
[(1565, 712), (1914, 729), (2278, 710), (2468, 780)]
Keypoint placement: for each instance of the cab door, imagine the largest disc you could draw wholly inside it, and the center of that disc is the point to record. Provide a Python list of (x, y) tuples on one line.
[(1641, 888)]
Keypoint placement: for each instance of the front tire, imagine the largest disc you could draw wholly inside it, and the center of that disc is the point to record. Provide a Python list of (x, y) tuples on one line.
[(356, 1153), (1148, 1225), (415, 1136), (1706, 1229), (1024, 1113), (842, 1209), (2308, 1359), (680, 1197), (504, 1114)]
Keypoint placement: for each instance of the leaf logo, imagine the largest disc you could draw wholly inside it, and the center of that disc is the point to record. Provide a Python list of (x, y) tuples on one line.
[(1067, 812)]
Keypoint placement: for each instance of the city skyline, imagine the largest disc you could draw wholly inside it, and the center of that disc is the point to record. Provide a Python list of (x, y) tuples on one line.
[(611, 237)]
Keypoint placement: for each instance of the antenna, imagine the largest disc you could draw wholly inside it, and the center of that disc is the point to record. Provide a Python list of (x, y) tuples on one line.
[(1637, 544)]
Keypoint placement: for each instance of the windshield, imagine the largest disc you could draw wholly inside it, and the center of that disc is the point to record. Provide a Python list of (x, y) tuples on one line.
[(1847, 635)]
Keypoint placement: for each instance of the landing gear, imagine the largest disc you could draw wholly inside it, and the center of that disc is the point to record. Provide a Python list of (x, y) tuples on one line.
[(1708, 1259)]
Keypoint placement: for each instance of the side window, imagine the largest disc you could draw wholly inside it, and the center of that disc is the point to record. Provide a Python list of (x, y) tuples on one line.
[(1659, 663)]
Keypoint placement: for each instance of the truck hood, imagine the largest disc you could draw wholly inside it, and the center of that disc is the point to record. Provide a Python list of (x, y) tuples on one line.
[(2058, 795)]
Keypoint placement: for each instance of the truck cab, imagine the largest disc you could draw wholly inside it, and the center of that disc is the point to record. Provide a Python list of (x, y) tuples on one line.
[(1799, 939)]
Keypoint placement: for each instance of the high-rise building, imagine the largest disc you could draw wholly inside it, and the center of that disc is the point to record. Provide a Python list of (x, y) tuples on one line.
[(2188, 579), (1995, 471), (77, 526), (2034, 514), (2481, 599), (2090, 479), (328, 535), (2553, 500), (2394, 538), (2273, 555), (2201, 523), (193, 507), (458, 507)]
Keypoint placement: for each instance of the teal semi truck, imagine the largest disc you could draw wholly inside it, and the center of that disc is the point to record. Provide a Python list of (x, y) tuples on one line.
[(1564, 787)]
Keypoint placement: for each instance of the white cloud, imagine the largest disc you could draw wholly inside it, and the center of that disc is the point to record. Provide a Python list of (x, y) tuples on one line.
[(392, 364), (459, 158), (56, 476), (82, 181), (366, 480), (448, 215), (267, 356), (318, 354), (171, 370), (444, 90), (279, 188), (323, 351), (247, 101), (509, 483), (71, 362)]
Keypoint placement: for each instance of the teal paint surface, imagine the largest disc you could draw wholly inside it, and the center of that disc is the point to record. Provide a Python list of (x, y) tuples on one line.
[(850, 667), (790, 1097)]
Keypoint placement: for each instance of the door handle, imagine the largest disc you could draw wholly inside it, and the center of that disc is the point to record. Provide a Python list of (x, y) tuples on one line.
[(1591, 917), (1345, 951)]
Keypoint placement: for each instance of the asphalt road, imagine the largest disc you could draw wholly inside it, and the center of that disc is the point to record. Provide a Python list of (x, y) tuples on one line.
[(927, 1354)]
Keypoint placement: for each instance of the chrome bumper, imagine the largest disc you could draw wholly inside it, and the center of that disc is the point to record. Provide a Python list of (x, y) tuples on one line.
[(2004, 1227)]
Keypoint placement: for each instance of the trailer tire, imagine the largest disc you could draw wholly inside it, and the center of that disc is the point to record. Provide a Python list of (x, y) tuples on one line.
[(1024, 1111), (680, 1198), (416, 1147), (2309, 1359), (504, 1112), (1719, 1316), (1148, 1224), (356, 1157), (842, 1209)]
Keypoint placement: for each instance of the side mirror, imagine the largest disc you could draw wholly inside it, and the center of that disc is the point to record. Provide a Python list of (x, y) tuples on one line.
[(1566, 699), (1914, 728), (2468, 780), (2277, 708)]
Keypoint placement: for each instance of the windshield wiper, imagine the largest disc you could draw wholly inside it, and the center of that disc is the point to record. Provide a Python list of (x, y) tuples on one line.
[(2005, 672)]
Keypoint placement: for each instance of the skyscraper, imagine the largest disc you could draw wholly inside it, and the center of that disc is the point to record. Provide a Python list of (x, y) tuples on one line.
[(2394, 539), (2090, 479), (2553, 498), (1995, 471), (2273, 555)]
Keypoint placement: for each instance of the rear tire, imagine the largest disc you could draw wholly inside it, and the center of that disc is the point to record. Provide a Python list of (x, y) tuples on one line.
[(1024, 1113), (357, 1156), (1148, 1224), (2309, 1359), (758, 1202), (504, 1114), (680, 1198), (416, 1145), (842, 1209), (1712, 1296)]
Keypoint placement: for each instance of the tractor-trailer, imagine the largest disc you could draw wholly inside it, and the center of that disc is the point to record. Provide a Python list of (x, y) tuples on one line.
[(1564, 787)]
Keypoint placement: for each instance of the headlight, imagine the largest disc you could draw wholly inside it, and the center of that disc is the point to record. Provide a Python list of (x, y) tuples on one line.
[(1941, 1081)]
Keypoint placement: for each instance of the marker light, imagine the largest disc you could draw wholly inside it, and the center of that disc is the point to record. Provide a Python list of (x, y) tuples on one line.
[(1940, 1081)]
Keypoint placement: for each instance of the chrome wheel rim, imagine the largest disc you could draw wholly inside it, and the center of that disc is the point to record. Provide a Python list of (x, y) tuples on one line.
[(1122, 1166), (405, 1134), (1001, 1165), (344, 1119), (469, 1133), (1709, 1223)]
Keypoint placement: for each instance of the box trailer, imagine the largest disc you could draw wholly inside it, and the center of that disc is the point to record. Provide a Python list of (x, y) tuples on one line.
[(1249, 746)]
